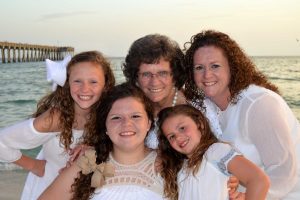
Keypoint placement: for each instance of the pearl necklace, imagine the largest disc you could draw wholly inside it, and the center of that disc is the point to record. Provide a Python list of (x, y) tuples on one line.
[(175, 98)]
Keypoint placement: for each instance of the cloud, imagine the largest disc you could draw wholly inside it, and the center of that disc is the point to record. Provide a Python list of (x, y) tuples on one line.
[(54, 16)]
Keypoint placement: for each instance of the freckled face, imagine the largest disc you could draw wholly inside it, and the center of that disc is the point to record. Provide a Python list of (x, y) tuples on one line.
[(127, 124), (182, 133), (86, 84), (212, 73)]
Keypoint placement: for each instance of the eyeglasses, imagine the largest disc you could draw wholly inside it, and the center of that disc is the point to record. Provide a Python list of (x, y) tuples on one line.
[(161, 75)]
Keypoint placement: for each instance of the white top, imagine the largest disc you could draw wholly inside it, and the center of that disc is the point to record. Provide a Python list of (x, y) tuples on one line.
[(138, 181), (264, 129), (23, 136), (210, 182)]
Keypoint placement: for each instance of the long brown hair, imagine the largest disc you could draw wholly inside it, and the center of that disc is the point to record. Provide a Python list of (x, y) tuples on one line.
[(102, 143), (61, 100), (243, 71), (172, 161)]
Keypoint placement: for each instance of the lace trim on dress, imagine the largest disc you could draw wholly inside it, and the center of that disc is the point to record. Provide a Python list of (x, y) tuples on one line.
[(223, 162), (141, 174)]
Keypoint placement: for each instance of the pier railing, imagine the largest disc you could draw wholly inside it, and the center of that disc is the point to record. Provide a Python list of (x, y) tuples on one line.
[(18, 52)]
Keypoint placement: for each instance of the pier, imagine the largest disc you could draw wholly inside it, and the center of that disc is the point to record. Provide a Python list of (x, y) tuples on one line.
[(18, 52)]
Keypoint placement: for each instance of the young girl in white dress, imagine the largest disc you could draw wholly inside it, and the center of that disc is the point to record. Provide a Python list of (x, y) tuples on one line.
[(60, 119), (195, 165), (127, 169)]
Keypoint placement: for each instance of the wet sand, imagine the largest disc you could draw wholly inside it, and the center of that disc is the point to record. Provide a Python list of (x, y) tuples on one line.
[(11, 184)]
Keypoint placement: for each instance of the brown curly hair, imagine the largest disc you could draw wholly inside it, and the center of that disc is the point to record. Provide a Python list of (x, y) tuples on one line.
[(172, 161), (242, 70), (103, 145), (150, 49), (61, 100)]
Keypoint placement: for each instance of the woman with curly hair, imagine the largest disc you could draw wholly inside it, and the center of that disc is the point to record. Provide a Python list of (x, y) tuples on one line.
[(120, 167), (252, 115), (63, 118), (195, 165)]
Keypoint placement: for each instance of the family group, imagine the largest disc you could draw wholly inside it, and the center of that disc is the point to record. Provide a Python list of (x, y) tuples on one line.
[(198, 122)]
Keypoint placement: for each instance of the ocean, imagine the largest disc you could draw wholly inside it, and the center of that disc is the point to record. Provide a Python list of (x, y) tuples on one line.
[(23, 84)]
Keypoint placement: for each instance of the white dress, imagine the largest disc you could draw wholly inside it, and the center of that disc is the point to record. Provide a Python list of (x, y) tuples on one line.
[(132, 182), (23, 136), (264, 129), (210, 182)]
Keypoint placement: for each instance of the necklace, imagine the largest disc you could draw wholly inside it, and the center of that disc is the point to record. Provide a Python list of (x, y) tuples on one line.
[(175, 98)]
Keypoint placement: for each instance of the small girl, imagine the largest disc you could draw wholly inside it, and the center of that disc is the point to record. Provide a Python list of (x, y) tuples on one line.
[(195, 165), (61, 119)]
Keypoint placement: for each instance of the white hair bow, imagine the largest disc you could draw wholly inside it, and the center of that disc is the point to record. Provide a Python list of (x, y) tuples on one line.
[(57, 72)]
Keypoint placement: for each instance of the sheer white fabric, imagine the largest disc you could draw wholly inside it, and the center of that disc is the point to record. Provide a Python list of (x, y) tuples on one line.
[(138, 181), (20, 136), (264, 129), (210, 182), (151, 140), (210, 113), (23, 136)]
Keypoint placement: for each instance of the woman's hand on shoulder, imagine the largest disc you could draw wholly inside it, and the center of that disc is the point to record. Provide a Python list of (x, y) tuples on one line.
[(78, 151), (74, 154), (232, 185), (237, 196)]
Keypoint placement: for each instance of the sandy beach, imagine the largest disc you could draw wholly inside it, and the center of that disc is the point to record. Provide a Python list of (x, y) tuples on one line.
[(11, 184)]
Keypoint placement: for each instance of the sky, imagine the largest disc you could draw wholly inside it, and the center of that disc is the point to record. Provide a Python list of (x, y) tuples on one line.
[(261, 27)]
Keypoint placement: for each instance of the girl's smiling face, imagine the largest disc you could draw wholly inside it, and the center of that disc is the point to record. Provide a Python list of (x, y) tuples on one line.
[(127, 124), (86, 84), (182, 133)]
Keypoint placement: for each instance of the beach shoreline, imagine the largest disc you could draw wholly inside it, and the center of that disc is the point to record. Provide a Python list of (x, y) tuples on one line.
[(12, 183)]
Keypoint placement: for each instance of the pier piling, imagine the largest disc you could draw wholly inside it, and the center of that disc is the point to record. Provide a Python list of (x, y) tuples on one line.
[(18, 52)]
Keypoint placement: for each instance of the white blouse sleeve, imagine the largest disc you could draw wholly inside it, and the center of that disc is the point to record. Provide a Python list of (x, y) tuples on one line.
[(20, 136), (268, 128), (220, 154)]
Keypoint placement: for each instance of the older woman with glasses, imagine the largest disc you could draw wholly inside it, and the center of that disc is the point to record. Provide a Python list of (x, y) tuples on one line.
[(155, 64)]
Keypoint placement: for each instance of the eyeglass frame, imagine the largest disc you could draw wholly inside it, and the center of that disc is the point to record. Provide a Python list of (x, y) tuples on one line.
[(161, 75)]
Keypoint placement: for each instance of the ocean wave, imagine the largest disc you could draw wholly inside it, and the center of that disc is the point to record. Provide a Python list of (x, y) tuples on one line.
[(283, 78), (9, 167), (293, 70), (21, 101), (295, 103)]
